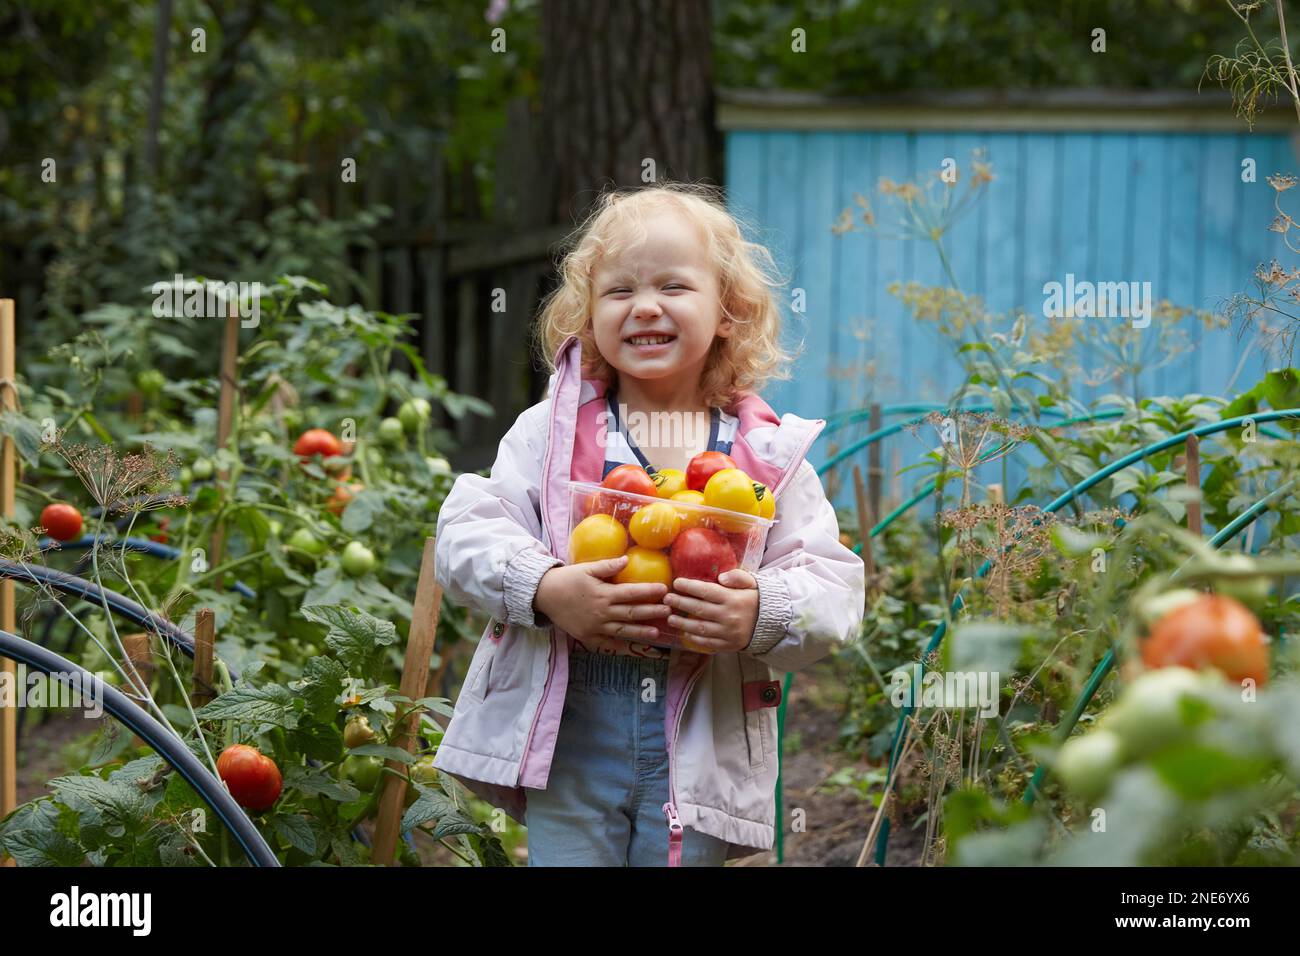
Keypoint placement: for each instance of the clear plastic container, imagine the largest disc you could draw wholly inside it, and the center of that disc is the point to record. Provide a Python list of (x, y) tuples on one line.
[(665, 539)]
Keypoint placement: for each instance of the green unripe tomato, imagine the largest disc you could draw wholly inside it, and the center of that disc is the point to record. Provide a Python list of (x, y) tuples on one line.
[(263, 438), (185, 477), (392, 431), (424, 772), (363, 772), (274, 527), (201, 469), (438, 466), (304, 540), (413, 414), (357, 559), (150, 381), (1149, 715), (1086, 764), (1254, 590)]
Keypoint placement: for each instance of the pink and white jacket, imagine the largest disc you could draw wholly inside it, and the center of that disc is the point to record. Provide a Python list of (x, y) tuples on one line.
[(498, 535)]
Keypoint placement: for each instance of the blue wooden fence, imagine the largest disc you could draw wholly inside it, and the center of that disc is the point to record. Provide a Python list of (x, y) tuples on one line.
[(1163, 206)]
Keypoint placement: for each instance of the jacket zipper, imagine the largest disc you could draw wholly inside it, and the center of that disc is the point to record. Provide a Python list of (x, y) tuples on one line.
[(675, 828), (550, 664), (670, 808)]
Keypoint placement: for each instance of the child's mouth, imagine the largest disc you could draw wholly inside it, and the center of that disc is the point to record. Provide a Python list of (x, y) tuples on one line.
[(650, 344)]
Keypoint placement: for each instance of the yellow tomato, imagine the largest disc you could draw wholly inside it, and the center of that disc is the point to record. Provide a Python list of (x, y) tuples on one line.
[(766, 501), (655, 526), (669, 481), (690, 517), (597, 538), (646, 566), (731, 490)]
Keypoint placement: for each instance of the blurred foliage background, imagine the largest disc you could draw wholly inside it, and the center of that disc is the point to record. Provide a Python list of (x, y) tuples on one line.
[(213, 165)]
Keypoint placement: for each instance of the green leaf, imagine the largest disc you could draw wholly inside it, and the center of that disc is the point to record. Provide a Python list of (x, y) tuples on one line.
[(385, 751), (26, 434), (271, 704), (1281, 389), (117, 802), (353, 634), (431, 805), (295, 831), (1197, 771), (320, 686), (361, 511), (32, 838), (317, 783)]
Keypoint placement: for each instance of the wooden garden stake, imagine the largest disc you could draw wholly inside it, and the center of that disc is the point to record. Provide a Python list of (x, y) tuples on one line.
[(415, 678), (202, 690), (225, 417), (865, 519), (875, 472), (140, 657), (1194, 484), (8, 482)]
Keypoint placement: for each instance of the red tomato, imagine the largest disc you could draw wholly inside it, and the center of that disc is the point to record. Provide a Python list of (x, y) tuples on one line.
[(703, 466), (317, 441), (701, 554), (253, 778), (63, 522), (1211, 631), (633, 479)]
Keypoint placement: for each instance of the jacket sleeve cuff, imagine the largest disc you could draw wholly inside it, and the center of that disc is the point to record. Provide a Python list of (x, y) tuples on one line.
[(522, 575), (775, 612)]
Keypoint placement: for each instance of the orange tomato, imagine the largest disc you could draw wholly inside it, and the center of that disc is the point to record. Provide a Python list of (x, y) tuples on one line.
[(655, 526), (342, 495), (1211, 631), (597, 538)]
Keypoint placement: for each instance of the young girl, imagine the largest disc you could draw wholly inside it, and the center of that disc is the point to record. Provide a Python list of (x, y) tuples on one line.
[(612, 751)]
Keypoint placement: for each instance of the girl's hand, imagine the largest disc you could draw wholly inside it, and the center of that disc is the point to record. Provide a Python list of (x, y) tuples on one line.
[(578, 601), (716, 617)]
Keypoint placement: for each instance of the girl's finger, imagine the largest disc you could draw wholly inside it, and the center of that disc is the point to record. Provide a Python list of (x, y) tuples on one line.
[(705, 590), (695, 627), (684, 605), (603, 569), (636, 593), (638, 612), (629, 631)]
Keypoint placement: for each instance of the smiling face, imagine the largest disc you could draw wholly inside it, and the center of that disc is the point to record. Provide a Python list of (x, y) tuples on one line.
[(655, 308)]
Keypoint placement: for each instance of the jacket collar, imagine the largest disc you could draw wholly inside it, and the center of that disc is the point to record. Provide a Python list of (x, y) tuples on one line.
[(774, 439)]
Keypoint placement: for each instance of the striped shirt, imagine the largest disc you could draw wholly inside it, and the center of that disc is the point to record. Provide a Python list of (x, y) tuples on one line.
[(621, 449)]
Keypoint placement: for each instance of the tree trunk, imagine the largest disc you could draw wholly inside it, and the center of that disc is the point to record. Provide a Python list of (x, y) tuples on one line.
[(161, 37), (624, 83)]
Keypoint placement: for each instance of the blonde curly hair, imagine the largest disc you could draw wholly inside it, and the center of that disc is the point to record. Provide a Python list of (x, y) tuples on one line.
[(745, 271)]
